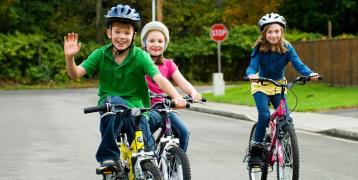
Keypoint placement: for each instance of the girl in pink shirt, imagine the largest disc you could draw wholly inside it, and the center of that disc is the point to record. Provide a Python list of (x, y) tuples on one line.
[(155, 39)]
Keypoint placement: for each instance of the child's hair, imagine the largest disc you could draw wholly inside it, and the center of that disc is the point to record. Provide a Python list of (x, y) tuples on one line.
[(121, 25), (159, 60), (265, 46)]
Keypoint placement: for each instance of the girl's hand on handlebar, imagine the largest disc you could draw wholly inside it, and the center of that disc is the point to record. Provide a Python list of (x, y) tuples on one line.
[(253, 77), (196, 96), (314, 76), (180, 103)]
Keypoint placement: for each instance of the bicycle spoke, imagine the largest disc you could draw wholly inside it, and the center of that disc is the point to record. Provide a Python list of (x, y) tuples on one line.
[(175, 169)]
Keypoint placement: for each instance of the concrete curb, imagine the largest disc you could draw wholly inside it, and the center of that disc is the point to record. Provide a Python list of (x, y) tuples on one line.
[(331, 132), (341, 134)]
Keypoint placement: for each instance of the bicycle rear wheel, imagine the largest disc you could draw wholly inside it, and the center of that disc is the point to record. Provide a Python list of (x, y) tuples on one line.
[(289, 169), (256, 173)]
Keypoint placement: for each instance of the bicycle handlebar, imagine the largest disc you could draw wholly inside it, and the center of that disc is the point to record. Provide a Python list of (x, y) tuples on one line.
[(108, 107), (303, 79), (169, 102)]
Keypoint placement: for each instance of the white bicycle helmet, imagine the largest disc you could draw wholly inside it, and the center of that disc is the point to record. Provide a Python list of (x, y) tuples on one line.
[(155, 25), (271, 18), (123, 13)]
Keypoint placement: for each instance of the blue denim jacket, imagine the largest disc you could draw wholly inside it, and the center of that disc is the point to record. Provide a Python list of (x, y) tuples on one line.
[(272, 65)]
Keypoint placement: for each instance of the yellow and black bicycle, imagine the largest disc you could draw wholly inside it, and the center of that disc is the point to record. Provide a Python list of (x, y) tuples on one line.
[(134, 163)]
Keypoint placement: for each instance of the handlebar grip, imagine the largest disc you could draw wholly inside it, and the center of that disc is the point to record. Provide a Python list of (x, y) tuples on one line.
[(172, 104), (203, 99), (95, 109), (246, 79)]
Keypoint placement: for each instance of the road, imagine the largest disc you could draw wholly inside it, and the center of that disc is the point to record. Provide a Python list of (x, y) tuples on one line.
[(45, 135)]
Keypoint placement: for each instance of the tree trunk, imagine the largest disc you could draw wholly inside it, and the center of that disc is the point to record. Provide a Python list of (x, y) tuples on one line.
[(98, 21), (160, 10)]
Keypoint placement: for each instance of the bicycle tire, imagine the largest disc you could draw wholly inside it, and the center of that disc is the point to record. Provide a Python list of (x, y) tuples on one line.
[(150, 170), (178, 164), (290, 155), (264, 170)]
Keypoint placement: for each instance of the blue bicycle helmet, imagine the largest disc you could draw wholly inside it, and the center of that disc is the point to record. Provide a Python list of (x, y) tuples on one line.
[(123, 13)]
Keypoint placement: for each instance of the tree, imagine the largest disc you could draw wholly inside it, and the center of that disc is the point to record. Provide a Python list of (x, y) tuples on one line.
[(313, 16)]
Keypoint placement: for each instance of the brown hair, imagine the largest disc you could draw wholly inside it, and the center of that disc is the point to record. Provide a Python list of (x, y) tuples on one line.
[(266, 46), (121, 25), (159, 60)]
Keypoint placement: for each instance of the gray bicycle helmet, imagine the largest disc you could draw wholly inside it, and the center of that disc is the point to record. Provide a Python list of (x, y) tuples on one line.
[(271, 18), (155, 25), (123, 13)]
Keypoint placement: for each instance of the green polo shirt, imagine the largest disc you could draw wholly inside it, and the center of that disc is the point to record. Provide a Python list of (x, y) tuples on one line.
[(127, 79)]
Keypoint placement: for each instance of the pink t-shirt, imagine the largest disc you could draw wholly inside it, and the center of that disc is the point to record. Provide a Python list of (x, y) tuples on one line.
[(166, 69)]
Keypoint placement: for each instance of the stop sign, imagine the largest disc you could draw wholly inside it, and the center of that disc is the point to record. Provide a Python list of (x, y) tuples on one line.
[(218, 32)]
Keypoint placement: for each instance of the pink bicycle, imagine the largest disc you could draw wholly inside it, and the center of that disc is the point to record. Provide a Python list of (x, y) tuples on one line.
[(280, 141)]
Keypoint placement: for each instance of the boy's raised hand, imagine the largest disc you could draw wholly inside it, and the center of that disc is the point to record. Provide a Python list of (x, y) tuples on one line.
[(71, 45)]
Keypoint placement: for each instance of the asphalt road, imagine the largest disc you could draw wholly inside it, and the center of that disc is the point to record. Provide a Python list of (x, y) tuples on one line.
[(45, 135)]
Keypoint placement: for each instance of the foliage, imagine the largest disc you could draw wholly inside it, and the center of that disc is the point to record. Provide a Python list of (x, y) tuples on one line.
[(189, 17), (191, 53), (31, 32), (247, 12), (30, 59), (343, 15)]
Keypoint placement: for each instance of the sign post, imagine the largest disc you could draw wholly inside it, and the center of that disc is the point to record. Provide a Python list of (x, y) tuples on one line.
[(218, 33)]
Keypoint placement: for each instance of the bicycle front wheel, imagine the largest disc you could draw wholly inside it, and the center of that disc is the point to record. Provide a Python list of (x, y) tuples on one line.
[(151, 171), (289, 168), (178, 167)]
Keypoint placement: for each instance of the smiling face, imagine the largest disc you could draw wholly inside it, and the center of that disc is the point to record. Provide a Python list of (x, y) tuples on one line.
[(121, 35), (155, 43), (273, 33)]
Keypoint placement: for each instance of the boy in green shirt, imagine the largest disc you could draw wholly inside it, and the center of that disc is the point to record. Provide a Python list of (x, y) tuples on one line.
[(121, 69)]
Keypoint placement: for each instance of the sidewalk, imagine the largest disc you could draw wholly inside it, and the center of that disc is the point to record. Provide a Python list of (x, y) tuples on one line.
[(333, 125)]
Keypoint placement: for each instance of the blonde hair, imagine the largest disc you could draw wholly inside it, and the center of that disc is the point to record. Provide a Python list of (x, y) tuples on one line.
[(265, 46)]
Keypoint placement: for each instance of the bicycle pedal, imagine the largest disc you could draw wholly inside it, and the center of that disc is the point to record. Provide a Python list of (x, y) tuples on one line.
[(256, 169), (106, 170)]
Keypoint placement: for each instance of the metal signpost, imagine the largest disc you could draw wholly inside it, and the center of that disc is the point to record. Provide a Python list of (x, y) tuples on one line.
[(219, 33)]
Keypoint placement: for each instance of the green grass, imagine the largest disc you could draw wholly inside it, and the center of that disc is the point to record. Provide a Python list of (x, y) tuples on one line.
[(311, 97)]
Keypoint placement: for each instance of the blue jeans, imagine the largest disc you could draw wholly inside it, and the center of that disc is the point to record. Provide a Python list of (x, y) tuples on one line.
[(111, 125), (178, 127), (262, 104)]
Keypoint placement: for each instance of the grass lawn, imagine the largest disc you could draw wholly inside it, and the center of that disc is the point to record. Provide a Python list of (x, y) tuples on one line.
[(313, 96)]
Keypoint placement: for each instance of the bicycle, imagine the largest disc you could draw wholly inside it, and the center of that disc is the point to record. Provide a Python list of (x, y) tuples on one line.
[(280, 142), (134, 162), (173, 162)]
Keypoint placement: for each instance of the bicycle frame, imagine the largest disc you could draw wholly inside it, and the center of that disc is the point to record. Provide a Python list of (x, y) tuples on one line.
[(135, 150), (128, 152), (275, 147)]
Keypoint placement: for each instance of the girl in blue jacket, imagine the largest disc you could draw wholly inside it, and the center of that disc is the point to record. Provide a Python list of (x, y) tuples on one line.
[(270, 55)]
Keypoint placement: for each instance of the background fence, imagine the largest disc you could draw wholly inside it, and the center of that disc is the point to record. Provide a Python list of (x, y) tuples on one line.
[(336, 60)]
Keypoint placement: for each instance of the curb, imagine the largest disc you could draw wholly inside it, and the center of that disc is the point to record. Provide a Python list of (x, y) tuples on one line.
[(341, 134), (331, 132)]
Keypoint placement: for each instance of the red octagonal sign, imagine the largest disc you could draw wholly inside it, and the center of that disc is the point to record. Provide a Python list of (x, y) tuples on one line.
[(218, 32)]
